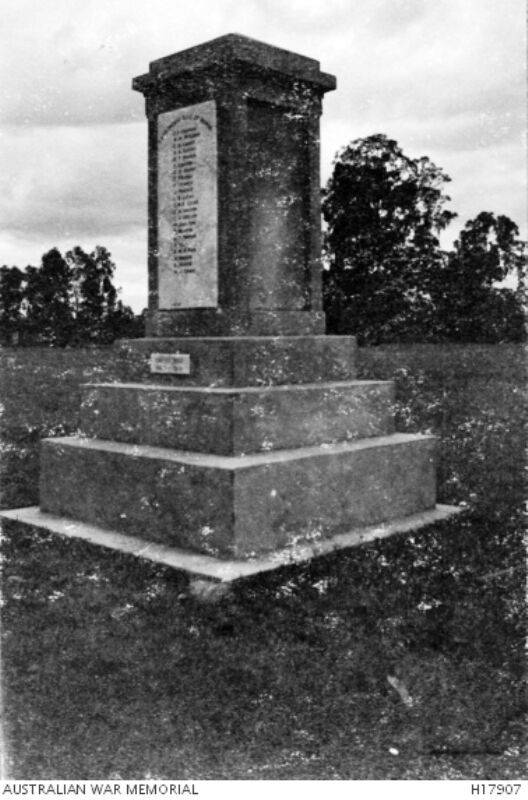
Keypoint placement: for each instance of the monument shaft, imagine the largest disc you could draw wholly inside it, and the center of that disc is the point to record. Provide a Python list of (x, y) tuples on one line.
[(234, 212)]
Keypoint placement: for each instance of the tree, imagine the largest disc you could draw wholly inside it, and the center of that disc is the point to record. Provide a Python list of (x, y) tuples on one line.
[(66, 301), (124, 324), (93, 293), (11, 299), (383, 212), (49, 317), (470, 307)]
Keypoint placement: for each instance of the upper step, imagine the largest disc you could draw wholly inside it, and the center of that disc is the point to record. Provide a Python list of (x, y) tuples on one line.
[(232, 421), (241, 361)]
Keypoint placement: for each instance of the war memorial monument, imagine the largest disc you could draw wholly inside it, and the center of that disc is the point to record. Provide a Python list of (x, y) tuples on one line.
[(236, 437)]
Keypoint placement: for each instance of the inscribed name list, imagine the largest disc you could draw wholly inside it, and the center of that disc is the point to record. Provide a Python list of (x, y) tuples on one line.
[(187, 208)]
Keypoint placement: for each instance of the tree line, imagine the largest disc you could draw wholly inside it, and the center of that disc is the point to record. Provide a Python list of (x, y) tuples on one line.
[(67, 300), (387, 279)]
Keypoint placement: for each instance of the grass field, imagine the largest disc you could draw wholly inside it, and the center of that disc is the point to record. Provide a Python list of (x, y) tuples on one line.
[(401, 659)]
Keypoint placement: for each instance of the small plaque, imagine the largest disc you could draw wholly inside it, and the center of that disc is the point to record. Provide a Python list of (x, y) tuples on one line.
[(173, 363)]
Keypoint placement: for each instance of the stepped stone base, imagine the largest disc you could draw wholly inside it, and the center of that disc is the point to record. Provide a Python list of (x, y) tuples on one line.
[(237, 505), (262, 443)]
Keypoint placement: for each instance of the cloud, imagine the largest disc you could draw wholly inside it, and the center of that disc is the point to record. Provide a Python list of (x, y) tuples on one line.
[(444, 77), (462, 58), (73, 60), (500, 187), (73, 181)]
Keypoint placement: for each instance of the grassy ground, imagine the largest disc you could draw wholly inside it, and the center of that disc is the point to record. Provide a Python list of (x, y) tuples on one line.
[(402, 659)]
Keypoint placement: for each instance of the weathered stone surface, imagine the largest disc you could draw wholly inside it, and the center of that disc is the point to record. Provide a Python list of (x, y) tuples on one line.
[(237, 505), (234, 48), (244, 361), (231, 322), (234, 421), (223, 569), (267, 104)]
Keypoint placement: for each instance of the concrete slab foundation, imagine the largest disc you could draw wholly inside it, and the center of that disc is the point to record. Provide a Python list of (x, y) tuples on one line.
[(224, 570)]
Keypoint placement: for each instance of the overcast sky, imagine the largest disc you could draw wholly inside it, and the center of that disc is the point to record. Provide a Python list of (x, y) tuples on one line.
[(446, 78)]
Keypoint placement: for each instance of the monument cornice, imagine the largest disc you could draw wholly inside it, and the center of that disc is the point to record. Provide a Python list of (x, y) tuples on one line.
[(234, 54), (149, 81), (238, 83), (150, 84)]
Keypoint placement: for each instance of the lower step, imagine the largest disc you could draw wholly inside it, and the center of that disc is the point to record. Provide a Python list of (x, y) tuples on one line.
[(237, 505)]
